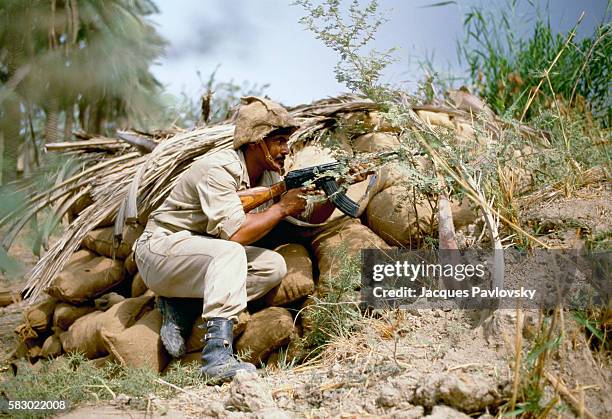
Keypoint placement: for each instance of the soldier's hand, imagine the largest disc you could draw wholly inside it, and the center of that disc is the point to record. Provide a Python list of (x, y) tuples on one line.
[(358, 173), (293, 202)]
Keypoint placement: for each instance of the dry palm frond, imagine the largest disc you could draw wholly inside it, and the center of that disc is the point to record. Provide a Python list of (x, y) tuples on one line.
[(101, 144), (109, 187)]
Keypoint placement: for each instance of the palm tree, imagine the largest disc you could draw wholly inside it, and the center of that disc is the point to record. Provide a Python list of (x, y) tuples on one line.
[(78, 63)]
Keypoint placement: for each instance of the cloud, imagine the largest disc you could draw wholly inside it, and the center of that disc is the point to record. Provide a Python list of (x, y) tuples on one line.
[(228, 30)]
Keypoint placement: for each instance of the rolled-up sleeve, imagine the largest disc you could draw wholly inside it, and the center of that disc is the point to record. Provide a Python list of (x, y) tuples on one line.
[(220, 202)]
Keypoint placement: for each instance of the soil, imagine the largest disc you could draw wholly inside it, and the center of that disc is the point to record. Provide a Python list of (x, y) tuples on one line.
[(437, 365), (409, 364)]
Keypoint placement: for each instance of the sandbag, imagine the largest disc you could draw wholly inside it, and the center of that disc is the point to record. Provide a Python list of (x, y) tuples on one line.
[(66, 314), (106, 301), (34, 352), (334, 245), (103, 242), (52, 347), (195, 341), (103, 361), (373, 142), (85, 277), (439, 119), (311, 155), (304, 316), (138, 286), (464, 131), (369, 121), (396, 173), (394, 215), (130, 264), (266, 331), (39, 316), (288, 354), (139, 346), (298, 282), (401, 219), (470, 103), (84, 335), (80, 204), (8, 297)]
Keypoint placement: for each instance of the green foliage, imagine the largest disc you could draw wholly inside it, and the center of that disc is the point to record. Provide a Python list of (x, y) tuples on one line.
[(506, 69), (359, 71), (75, 379), (575, 146), (593, 321), (601, 241), (531, 394), (336, 312)]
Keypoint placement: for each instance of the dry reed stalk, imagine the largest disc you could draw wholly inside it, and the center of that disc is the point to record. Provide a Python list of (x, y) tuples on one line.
[(518, 345), (588, 177), (567, 395), (534, 92)]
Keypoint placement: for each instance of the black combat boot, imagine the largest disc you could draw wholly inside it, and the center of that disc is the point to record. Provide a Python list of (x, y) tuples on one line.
[(178, 315), (218, 361)]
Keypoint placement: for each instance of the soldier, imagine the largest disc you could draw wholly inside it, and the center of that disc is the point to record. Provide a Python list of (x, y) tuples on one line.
[(197, 244)]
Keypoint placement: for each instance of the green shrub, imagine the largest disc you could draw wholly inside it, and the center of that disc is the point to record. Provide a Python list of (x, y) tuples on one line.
[(76, 380), (507, 69)]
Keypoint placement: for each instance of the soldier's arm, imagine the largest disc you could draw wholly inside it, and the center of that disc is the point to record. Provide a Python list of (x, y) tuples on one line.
[(255, 226)]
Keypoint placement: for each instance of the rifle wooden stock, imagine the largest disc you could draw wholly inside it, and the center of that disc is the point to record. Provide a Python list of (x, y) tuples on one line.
[(254, 197)]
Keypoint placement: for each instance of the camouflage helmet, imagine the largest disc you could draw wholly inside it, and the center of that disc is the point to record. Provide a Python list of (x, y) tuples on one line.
[(258, 117)]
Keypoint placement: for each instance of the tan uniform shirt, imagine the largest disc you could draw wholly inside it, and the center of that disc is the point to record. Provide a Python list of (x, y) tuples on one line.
[(205, 201)]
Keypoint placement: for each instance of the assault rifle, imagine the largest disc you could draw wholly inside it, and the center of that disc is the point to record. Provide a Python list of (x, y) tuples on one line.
[(324, 176)]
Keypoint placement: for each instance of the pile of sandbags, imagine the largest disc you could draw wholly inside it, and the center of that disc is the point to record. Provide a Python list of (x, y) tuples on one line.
[(99, 290), (100, 306)]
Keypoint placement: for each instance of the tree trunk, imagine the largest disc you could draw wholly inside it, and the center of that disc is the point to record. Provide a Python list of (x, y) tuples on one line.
[(10, 126), (25, 155), (1, 155), (52, 134), (69, 124), (83, 115), (98, 117)]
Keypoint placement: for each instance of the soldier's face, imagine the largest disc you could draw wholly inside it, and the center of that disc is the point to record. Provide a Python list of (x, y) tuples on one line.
[(279, 149)]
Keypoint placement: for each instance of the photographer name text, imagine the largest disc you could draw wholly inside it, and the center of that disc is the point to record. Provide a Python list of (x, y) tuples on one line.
[(474, 292)]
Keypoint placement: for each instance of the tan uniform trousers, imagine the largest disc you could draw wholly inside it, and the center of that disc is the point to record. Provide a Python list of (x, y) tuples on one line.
[(225, 273)]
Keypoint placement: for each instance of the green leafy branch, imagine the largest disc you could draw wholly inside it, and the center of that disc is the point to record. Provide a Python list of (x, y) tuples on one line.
[(358, 70)]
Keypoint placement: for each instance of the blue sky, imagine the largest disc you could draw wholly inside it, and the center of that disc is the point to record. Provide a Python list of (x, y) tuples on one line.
[(262, 42)]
